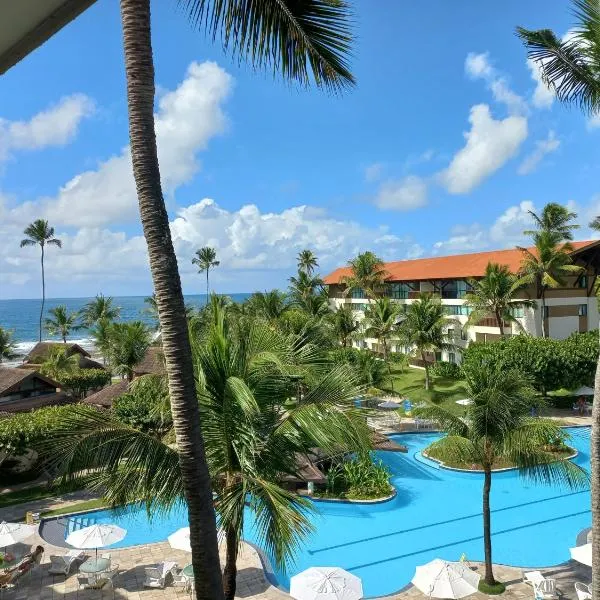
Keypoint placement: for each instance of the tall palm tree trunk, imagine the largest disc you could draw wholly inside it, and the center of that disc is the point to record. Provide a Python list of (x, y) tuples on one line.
[(230, 569), (426, 370), (139, 67), (487, 531), (543, 299), (500, 323), (385, 358), (595, 484), (43, 293), (207, 288)]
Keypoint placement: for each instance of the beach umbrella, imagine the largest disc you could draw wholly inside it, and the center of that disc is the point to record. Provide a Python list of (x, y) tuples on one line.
[(13, 533), (389, 404), (96, 536), (443, 579), (582, 554), (180, 540), (325, 583), (584, 390), (465, 402)]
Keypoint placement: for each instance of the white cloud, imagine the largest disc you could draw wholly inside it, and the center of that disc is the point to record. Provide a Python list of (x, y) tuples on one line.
[(542, 148), (187, 118), (462, 239), (55, 126), (405, 194), (373, 172), (478, 66), (542, 96), (489, 145)]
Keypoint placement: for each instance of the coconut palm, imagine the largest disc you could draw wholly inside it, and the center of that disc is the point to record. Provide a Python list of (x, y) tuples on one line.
[(100, 332), (7, 344), (62, 322), (546, 266), (127, 346), (344, 324), (245, 370), (423, 326), (572, 69), (205, 260), (367, 273), (381, 319), (305, 41), (554, 218), (303, 286), (307, 262), (498, 426), (101, 308), (495, 294), (268, 305), (39, 233), (59, 362), (151, 310)]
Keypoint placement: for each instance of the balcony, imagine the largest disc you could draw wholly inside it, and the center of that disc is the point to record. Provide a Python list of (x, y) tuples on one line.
[(491, 322)]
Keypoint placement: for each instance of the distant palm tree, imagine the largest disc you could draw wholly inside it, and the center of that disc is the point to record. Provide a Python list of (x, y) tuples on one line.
[(127, 346), (307, 262), (423, 327), (62, 322), (498, 425), (7, 344), (101, 334), (308, 42), (100, 308), (268, 305), (58, 362), (303, 286), (495, 294), (205, 260), (555, 218), (39, 233), (367, 274), (344, 324), (151, 310), (546, 267)]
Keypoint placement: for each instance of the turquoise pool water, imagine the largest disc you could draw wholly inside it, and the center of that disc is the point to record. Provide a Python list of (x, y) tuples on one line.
[(436, 513)]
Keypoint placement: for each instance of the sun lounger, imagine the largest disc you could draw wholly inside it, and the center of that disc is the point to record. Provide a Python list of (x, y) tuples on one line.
[(583, 591), (61, 565), (533, 577), (545, 589), (156, 577), (180, 580)]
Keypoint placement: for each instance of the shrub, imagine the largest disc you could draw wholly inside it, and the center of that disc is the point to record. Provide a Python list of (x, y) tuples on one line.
[(359, 478), (447, 370), (370, 370), (80, 381)]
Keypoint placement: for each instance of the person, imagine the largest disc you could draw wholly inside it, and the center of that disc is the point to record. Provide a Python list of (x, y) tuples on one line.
[(581, 405), (31, 559)]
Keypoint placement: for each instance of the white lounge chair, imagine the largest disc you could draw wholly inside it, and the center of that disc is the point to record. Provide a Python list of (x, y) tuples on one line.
[(61, 565), (545, 589), (583, 591), (156, 577), (180, 580), (533, 577)]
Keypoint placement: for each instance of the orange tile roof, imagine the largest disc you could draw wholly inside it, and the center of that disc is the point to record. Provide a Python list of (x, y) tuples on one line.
[(457, 266)]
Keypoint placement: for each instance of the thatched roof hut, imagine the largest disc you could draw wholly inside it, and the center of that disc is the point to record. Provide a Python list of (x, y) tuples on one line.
[(106, 396)]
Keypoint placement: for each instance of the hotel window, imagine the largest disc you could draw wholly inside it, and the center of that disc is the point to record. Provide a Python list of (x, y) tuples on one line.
[(583, 310), (462, 288), (450, 333), (398, 291), (583, 281), (517, 311), (451, 357), (463, 335), (457, 309), (358, 293)]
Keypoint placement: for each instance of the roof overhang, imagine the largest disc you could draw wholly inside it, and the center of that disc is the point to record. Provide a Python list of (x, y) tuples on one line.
[(27, 24)]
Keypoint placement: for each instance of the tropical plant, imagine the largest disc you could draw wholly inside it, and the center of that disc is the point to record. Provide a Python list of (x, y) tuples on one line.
[(304, 286), (58, 363), (344, 324), (39, 233), (423, 327), (554, 218), (446, 370), (369, 370), (572, 68), (101, 308), (7, 344), (269, 306), (498, 425), (307, 262), (546, 266), (495, 294), (127, 346), (380, 322), (205, 260), (62, 322), (100, 332), (245, 370), (367, 273), (359, 478), (78, 382)]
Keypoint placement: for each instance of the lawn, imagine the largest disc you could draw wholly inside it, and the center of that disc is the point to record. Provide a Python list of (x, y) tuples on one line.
[(410, 383)]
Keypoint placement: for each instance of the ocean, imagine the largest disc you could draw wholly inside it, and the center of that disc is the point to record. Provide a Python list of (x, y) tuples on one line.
[(22, 316)]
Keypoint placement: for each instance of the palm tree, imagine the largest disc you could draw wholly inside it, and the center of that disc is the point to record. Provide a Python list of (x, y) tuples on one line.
[(62, 322), (495, 294), (100, 308), (205, 260), (367, 273), (498, 425), (59, 362), (127, 346), (40, 233), (422, 327), (555, 218), (151, 310), (7, 344), (344, 324), (546, 267), (380, 322), (268, 305), (307, 262), (303, 286), (572, 69), (245, 370), (101, 333), (307, 42)]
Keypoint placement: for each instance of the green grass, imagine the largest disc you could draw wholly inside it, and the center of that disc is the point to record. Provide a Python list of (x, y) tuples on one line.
[(444, 392), (28, 495), (491, 590), (76, 508)]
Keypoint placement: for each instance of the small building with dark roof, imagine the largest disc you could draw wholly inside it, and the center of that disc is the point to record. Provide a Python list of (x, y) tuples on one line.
[(153, 363), (107, 395), (24, 389), (41, 352)]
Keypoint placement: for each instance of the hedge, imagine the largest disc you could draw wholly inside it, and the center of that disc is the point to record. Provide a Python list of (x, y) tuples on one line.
[(446, 370), (79, 382)]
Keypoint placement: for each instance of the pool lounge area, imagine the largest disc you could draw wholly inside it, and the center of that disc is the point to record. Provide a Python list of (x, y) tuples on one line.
[(435, 513)]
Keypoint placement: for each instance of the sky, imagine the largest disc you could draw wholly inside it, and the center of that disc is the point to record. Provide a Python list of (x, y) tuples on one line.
[(447, 141)]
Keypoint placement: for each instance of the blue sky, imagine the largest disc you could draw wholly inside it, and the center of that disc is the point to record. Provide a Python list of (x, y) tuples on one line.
[(442, 147)]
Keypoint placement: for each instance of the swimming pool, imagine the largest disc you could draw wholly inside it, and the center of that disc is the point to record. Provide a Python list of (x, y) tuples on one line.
[(436, 513)]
